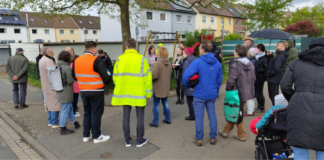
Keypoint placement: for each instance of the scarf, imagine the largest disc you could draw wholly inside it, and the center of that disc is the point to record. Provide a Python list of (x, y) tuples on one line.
[(258, 56)]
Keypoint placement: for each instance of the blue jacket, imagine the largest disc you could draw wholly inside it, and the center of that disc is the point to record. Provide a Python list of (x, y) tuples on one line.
[(264, 120), (186, 62), (210, 74)]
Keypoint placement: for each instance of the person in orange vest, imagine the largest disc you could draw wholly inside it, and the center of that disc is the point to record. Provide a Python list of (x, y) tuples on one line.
[(92, 77)]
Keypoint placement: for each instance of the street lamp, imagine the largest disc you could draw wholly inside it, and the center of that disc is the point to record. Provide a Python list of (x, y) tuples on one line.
[(85, 36)]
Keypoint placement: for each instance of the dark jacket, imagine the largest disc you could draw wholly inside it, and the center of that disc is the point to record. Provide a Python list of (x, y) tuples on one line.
[(17, 65), (255, 64), (186, 62), (243, 69), (263, 65), (107, 61), (65, 96), (276, 67), (178, 69), (37, 68), (161, 76), (293, 54), (305, 110), (210, 76), (217, 52)]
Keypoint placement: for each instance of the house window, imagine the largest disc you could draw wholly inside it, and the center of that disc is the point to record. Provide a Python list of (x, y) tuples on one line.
[(96, 40), (228, 21), (204, 19), (73, 40), (236, 22), (71, 31), (85, 31), (17, 31), (45, 20), (32, 20), (80, 21), (61, 31), (149, 16), (49, 41), (65, 40), (46, 31), (242, 23), (162, 17), (19, 41), (16, 19), (212, 20), (178, 18), (189, 19), (90, 22), (0, 18), (94, 31), (216, 5), (222, 21), (34, 31)]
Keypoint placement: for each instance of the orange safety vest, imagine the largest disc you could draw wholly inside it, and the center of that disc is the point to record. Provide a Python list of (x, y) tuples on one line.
[(87, 78)]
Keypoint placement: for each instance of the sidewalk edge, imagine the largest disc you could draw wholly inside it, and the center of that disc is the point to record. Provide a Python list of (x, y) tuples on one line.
[(37, 146)]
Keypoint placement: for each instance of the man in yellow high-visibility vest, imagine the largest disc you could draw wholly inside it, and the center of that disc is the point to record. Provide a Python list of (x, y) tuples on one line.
[(133, 84)]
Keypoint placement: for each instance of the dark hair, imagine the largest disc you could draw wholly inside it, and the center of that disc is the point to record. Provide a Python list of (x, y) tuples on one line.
[(149, 50), (261, 47), (64, 56), (184, 46), (73, 51), (100, 51), (206, 46), (74, 58), (241, 50), (90, 44), (131, 43)]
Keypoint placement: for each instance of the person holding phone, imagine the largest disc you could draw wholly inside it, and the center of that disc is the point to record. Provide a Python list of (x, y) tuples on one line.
[(152, 56), (177, 66)]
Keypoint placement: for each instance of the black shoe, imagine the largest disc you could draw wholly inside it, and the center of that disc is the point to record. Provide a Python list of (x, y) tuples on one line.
[(16, 107), (182, 102), (24, 106), (258, 110), (164, 121), (153, 125), (76, 125), (189, 118), (178, 101), (65, 131)]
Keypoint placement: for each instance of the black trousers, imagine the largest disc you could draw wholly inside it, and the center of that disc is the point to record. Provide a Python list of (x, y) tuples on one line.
[(75, 102), (93, 111), (140, 123), (179, 88), (260, 96), (190, 106), (273, 91)]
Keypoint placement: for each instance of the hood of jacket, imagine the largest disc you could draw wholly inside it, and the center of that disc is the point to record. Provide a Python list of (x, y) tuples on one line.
[(315, 55), (164, 61), (245, 63), (291, 44), (61, 63), (209, 58)]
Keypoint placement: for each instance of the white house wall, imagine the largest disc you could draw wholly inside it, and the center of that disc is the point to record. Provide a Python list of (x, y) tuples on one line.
[(41, 34), (10, 35), (90, 36), (31, 50)]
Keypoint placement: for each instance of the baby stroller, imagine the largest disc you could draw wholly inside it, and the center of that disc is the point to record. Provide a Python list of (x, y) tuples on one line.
[(270, 139)]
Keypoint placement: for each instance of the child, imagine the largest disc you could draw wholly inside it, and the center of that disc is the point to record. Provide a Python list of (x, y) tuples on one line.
[(76, 91), (65, 97), (259, 122)]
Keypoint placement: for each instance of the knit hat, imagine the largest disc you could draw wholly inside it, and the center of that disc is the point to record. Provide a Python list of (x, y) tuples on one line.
[(253, 51), (318, 42), (253, 124), (188, 51), (280, 100)]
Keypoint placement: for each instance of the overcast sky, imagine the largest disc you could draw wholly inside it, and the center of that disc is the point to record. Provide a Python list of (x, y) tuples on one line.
[(302, 3)]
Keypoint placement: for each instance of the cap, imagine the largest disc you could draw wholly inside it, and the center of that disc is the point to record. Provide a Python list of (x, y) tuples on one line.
[(188, 51), (248, 38), (318, 42), (253, 51), (19, 49), (280, 100)]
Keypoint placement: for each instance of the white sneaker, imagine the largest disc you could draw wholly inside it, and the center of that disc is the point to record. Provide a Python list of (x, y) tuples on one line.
[(55, 126), (101, 138), (77, 114), (50, 125), (87, 139)]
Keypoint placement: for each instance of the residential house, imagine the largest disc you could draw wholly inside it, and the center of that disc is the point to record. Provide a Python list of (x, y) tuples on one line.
[(66, 30), (239, 19), (12, 27), (213, 18), (40, 29), (89, 28)]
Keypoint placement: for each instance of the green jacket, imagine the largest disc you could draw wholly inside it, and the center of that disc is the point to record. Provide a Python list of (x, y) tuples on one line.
[(65, 96), (17, 65), (293, 54)]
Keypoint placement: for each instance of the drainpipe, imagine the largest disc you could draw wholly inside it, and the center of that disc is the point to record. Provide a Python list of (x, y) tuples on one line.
[(28, 36)]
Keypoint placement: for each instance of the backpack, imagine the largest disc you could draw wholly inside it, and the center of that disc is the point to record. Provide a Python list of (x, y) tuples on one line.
[(55, 78)]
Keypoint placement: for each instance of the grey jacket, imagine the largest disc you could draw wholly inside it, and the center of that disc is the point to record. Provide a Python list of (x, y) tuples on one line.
[(65, 96), (186, 63), (17, 65)]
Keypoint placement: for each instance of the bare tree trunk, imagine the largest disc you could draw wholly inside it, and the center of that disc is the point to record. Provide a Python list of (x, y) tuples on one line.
[(124, 19)]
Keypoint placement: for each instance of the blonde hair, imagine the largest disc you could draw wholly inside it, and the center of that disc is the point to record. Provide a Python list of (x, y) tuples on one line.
[(163, 52)]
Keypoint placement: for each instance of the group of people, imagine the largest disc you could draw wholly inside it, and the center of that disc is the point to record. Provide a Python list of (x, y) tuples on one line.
[(137, 78)]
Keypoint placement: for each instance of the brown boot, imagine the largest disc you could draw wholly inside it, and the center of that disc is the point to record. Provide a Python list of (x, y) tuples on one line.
[(239, 138), (196, 142), (212, 141)]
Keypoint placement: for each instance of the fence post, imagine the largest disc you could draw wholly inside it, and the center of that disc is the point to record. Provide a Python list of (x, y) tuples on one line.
[(10, 50)]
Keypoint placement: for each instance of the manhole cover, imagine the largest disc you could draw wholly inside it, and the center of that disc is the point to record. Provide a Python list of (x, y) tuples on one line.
[(106, 155)]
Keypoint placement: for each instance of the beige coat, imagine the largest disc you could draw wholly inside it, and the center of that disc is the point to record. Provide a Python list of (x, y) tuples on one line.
[(49, 95), (161, 76)]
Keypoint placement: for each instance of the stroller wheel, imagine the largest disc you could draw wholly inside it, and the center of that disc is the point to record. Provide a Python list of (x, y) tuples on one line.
[(257, 153)]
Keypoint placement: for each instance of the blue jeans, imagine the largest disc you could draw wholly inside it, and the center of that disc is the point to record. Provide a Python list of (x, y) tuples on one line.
[(155, 109), (53, 117), (19, 100), (67, 112), (199, 108), (303, 154), (43, 98)]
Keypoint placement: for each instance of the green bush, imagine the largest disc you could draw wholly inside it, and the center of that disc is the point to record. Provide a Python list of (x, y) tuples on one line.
[(233, 37), (32, 75)]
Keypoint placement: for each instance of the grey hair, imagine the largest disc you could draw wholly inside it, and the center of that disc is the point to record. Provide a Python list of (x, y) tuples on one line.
[(46, 50)]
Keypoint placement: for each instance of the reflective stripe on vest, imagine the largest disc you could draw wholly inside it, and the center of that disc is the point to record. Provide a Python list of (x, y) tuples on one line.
[(87, 75), (129, 96)]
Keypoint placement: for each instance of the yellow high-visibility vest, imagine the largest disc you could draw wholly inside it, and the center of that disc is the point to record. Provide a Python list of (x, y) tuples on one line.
[(133, 80)]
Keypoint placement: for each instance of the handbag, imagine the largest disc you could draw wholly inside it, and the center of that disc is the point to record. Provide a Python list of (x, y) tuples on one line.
[(233, 106)]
